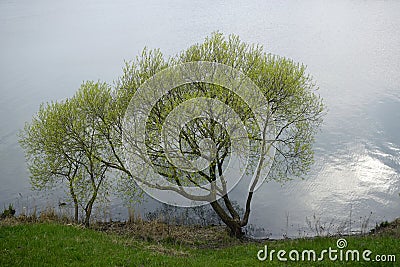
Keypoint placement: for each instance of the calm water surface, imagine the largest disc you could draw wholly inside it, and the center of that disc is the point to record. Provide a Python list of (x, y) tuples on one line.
[(351, 47)]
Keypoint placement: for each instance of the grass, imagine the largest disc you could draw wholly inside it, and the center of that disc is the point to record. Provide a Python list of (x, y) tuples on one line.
[(55, 244)]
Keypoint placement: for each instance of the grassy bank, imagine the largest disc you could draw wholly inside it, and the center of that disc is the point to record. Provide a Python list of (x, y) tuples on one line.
[(53, 244)]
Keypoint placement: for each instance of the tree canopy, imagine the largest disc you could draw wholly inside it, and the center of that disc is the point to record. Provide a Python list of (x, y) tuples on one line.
[(67, 142), (201, 120), (292, 114)]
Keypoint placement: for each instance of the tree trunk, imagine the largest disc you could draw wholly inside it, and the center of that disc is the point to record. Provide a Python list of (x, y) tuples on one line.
[(88, 212), (76, 211), (234, 225), (74, 198), (89, 207), (235, 229)]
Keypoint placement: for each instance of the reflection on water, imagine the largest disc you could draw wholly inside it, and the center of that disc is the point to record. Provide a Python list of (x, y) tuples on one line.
[(351, 48)]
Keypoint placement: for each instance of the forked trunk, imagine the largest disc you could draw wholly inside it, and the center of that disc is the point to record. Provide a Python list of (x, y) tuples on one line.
[(235, 228), (88, 212)]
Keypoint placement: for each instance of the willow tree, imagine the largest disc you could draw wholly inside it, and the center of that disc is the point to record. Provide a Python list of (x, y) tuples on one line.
[(51, 161), (63, 145), (182, 122)]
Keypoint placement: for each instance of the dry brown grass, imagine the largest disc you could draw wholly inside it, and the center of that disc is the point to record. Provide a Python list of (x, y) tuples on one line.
[(47, 215), (388, 229), (194, 236)]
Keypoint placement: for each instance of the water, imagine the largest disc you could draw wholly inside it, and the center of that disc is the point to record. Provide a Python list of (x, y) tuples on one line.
[(351, 48)]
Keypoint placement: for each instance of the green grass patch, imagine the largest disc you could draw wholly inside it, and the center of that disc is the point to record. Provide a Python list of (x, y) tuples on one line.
[(52, 244)]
